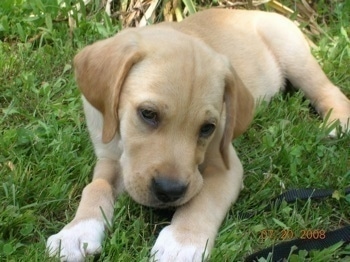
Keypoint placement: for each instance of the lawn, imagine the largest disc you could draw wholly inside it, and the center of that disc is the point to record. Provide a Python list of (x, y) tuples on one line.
[(46, 157)]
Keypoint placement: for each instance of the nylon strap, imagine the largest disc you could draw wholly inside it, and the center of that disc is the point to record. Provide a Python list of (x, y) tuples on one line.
[(281, 251)]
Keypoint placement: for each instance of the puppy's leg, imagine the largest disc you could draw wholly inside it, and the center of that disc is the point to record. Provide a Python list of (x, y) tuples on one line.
[(328, 100), (191, 234), (84, 234), (299, 66)]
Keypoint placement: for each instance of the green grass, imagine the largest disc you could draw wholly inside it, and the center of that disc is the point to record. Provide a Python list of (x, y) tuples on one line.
[(46, 157)]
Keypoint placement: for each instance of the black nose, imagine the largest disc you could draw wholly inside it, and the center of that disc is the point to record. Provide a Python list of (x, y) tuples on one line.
[(168, 190)]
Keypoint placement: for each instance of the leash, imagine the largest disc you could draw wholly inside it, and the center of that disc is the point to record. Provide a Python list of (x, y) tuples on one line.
[(282, 251)]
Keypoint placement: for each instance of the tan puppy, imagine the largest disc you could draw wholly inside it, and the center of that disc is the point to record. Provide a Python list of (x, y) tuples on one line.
[(163, 103)]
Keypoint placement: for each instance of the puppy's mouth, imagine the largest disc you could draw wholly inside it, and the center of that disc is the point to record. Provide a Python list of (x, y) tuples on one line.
[(161, 205), (162, 191), (153, 202)]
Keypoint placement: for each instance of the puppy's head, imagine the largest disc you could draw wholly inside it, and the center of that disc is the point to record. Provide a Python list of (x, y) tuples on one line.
[(172, 99)]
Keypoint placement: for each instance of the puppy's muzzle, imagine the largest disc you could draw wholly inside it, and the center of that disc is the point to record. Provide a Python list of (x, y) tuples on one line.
[(168, 190)]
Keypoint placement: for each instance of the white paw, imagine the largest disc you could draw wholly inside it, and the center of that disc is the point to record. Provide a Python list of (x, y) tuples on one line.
[(167, 248), (336, 132), (333, 133), (338, 128), (75, 241)]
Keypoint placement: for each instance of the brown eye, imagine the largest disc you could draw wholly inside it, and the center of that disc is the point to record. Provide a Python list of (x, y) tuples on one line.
[(149, 116), (206, 130)]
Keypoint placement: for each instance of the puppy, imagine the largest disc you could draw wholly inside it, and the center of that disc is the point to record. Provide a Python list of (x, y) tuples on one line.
[(162, 105)]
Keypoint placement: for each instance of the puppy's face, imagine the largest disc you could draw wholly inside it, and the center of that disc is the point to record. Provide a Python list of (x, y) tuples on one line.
[(166, 93), (170, 110)]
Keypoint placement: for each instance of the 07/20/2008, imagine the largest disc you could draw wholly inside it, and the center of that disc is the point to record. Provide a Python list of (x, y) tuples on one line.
[(286, 234)]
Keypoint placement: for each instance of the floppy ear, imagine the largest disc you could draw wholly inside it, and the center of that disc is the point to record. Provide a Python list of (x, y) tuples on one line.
[(239, 105), (100, 71)]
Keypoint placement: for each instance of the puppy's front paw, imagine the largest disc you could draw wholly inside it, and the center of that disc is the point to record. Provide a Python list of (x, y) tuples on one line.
[(75, 241), (172, 245)]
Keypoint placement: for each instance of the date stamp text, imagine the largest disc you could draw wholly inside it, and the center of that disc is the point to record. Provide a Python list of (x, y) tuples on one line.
[(287, 234)]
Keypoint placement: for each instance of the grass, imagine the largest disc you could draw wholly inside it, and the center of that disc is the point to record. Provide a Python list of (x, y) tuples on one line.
[(46, 157)]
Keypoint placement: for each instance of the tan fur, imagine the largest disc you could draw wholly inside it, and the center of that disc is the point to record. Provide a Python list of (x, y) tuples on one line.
[(208, 68), (101, 78)]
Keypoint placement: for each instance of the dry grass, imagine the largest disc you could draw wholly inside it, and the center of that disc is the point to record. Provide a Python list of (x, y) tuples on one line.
[(135, 13), (142, 12)]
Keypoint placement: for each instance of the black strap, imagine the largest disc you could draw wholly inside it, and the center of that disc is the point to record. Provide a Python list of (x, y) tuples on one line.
[(306, 193), (292, 196), (283, 250)]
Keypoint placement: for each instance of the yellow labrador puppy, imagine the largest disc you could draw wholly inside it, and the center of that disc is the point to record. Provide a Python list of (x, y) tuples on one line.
[(162, 104)]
